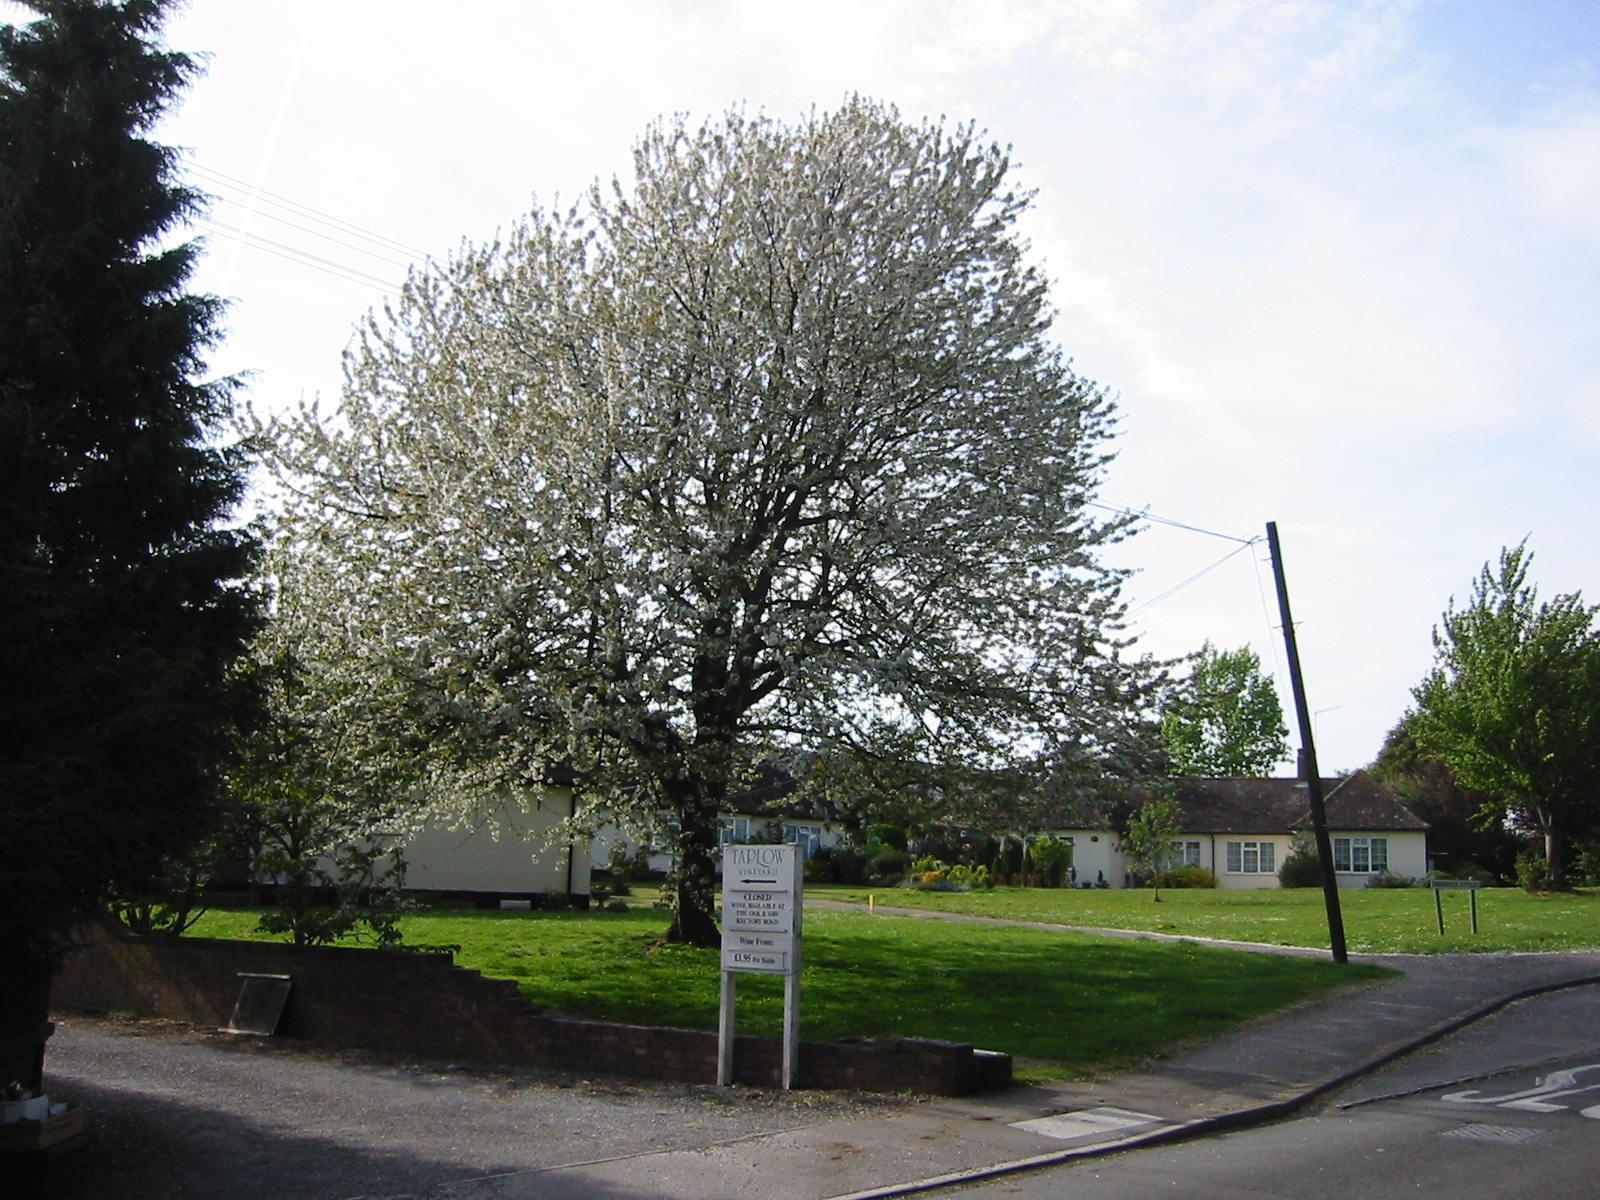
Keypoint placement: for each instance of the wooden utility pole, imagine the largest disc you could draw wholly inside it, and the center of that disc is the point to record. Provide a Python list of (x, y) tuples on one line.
[(1319, 814)]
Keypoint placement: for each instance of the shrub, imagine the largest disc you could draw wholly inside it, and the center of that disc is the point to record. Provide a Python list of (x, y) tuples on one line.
[(965, 878), (1186, 877), (1385, 880), (885, 863), (1533, 873), (837, 864), (616, 906), (1051, 857), (1300, 867), (888, 835)]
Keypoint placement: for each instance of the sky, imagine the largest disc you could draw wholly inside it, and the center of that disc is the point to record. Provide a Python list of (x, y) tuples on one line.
[(1339, 263)]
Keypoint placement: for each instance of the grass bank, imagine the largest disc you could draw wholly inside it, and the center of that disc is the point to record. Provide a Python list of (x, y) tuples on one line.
[(1062, 1004), (1376, 920)]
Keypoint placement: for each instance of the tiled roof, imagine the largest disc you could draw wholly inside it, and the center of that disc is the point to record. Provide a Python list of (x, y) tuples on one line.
[(1356, 802)]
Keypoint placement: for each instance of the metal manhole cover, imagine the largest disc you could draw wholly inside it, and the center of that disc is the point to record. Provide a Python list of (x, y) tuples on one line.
[(1508, 1135)]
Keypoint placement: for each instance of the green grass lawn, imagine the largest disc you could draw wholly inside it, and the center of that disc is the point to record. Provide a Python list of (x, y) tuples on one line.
[(1060, 1003), (1376, 920)]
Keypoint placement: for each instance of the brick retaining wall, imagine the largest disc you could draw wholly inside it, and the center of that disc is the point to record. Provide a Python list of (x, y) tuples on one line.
[(424, 1005)]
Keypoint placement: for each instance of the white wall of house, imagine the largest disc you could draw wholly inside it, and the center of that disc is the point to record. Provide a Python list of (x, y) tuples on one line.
[(524, 859), (1096, 854), (1357, 855), (1245, 860)]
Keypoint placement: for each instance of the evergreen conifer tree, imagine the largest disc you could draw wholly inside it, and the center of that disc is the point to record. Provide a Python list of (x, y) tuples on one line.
[(122, 599)]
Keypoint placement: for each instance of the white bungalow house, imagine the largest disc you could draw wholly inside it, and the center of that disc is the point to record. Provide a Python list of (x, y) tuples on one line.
[(511, 855), (1241, 831)]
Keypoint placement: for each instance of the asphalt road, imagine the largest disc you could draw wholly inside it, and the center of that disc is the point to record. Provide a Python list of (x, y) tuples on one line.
[(1507, 1109), (175, 1114)]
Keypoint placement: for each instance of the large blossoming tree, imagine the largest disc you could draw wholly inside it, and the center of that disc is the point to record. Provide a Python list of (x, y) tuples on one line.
[(765, 448)]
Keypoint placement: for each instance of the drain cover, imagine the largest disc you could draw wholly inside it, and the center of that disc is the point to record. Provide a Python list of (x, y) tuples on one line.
[(1508, 1135)]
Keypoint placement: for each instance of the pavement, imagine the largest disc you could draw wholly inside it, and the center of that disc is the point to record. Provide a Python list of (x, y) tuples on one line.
[(1262, 1072), (408, 1132)]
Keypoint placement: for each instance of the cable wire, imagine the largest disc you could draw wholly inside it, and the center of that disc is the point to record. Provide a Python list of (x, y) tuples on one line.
[(1147, 515)]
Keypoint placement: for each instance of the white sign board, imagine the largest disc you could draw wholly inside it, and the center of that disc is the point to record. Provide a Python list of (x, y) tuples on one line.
[(762, 891), (758, 908)]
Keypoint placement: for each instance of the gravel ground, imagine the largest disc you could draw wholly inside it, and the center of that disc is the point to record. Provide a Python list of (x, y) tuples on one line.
[(175, 1112)]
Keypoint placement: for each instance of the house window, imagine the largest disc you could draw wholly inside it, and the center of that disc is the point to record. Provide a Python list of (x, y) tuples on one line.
[(1252, 858), (733, 830), (1361, 856), (803, 836), (1186, 854)]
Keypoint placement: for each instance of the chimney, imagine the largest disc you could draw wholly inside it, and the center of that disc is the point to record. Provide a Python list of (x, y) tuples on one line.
[(1300, 768)]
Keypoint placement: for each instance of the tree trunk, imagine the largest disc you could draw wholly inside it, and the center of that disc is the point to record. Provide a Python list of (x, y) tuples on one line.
[(24, 1019), (694, 879), (1554, 859)]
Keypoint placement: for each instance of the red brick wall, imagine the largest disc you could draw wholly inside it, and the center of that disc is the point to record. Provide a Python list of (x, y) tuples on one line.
[(422, 1004)]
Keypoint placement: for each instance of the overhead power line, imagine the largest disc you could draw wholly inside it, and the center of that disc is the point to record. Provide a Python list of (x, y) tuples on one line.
[(1145, 514), (227, 181), (295, 254)]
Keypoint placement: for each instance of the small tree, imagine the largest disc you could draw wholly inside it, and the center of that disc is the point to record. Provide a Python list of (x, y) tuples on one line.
[(1224, 720), (1151, 831), (319, 798), (1512, 705)]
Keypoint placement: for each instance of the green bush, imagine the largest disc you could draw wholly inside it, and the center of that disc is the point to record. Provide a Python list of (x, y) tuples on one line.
[(888, 835), (837, 864), (1385, 880), (1300, 866), (1186, 877), (885, 863), (1533, 873), (616, 906), (1051, 858)]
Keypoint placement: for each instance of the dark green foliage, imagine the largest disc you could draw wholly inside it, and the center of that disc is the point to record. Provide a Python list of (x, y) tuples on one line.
[(837, 864), (885, 864), (1051, 858), (1300, 866), (889, 835), (121, 601), (1224, 720), (1533, 872), (1186, 877), (1465, 828), (1512, 705)]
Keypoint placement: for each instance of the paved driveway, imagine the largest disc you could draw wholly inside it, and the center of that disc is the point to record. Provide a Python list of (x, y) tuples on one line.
[(175, 1113)]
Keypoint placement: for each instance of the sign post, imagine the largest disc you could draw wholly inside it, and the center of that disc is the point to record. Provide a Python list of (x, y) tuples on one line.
[(762, 890), (1470, 886)]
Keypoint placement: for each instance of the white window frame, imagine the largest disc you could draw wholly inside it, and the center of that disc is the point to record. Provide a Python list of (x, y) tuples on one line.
[(1186, 853), (1361, 855), (805, 836), (733, 830), (1252, 858)]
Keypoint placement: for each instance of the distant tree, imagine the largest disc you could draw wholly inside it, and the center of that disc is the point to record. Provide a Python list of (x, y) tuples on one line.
[(1512, 705), (1152, 829), (1224, 720), (768, 450), (121, 594), (1463, 825)]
